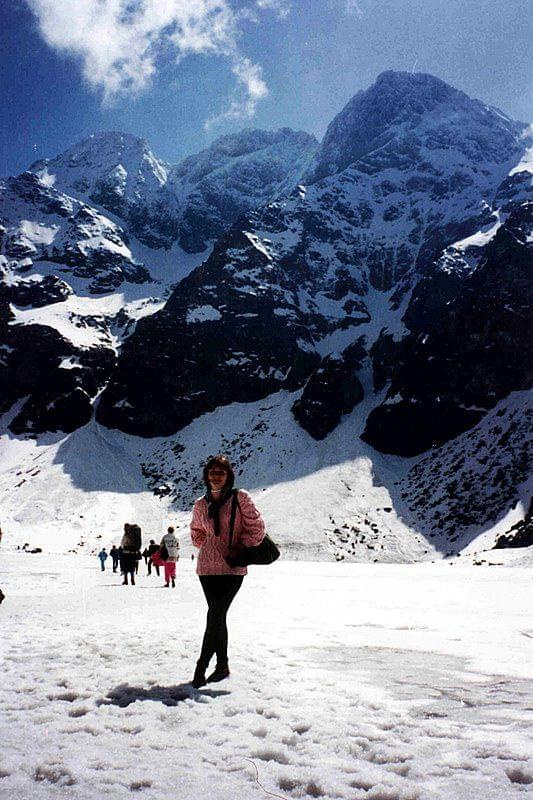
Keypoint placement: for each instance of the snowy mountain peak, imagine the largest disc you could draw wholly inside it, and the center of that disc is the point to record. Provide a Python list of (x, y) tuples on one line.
[(241, 154), (237, 146), (192, 202), (107, 161), (401, 113)]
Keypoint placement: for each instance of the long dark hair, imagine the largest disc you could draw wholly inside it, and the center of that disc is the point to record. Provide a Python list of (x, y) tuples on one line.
[(220, 461)]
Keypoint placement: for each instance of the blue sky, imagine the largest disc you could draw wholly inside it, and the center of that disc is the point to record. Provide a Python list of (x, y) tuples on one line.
[(183, 72)]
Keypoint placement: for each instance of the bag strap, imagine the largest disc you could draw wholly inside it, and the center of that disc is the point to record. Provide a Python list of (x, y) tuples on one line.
[(234, 504)]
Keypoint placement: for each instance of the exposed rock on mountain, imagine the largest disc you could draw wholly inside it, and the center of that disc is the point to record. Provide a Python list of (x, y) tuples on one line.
[(57, 380), (332, 390), (222, 337), (469, 344), (403, 116), (36, 291), (398, 243), (520, 534), (44, 230), (410, 221), (236, 174), (456, 491), (191, 203), (118, 172)]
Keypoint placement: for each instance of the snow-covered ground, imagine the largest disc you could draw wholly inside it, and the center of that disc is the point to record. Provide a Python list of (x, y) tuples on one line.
[(356, 681)]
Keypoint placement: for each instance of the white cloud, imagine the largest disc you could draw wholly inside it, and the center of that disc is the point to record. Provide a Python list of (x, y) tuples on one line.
[(121, 42), (244, 103), (280, 7)]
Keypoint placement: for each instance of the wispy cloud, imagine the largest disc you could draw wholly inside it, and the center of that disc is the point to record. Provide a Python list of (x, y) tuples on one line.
[(354, 7), (280, 7), (244, 102), (120, 43)]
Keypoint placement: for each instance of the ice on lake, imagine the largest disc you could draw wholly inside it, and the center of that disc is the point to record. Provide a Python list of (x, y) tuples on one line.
[(374, 681)]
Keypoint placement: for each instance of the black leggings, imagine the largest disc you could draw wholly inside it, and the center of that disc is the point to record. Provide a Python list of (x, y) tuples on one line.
[(219, 592)]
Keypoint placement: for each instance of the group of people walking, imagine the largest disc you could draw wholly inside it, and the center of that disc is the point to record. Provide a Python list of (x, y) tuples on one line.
[(222, 519), (128, 555)]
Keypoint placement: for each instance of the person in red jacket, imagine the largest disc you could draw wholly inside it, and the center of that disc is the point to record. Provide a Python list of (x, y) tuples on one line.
[(210, 526)]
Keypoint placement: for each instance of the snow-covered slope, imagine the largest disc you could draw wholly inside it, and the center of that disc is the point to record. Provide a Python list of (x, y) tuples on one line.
[(238, 172), (323, 500)]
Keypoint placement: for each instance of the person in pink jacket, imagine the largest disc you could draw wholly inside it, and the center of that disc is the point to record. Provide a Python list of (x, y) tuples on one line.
[(210, 526)]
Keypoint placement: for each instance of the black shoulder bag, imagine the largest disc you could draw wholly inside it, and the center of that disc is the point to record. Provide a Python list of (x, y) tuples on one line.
[(265, 553)]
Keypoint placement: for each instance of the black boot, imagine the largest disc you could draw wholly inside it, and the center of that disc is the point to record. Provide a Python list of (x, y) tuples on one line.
[(199, 677), (220, 673)]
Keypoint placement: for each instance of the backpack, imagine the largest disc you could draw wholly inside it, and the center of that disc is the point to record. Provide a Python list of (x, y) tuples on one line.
[(132, 538)]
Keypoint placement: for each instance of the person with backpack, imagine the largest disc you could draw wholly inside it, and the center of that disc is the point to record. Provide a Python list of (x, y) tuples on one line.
[(169, 552), (102, 555), (221, 516), (131, 552)]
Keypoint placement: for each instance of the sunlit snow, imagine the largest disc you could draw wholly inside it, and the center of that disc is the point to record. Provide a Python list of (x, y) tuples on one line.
[(349, 681)]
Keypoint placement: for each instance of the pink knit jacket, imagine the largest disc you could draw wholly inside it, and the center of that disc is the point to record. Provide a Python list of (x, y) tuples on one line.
[(249, 529)]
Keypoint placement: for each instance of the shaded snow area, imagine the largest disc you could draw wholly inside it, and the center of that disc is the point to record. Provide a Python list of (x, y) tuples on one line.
[(364, 682), (332, 499), (64, 492)]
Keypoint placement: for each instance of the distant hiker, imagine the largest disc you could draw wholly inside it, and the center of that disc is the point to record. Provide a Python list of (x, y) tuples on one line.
[(115, 556), (131, 550), (152, 550), (102, 555), (169, 552), (210, 526), (146, 555)]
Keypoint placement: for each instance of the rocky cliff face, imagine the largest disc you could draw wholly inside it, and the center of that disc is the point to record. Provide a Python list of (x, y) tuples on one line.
[(55, 351), (468, 346)]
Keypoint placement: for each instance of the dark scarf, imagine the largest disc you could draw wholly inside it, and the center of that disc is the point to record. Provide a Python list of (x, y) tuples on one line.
[(214, 506)]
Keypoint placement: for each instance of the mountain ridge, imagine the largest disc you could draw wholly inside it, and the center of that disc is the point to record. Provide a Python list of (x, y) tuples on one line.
[(359, 296)]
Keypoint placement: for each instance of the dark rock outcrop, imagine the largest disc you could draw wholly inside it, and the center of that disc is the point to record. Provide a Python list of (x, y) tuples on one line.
[(469, 346), (57, 380), (333, 389), (520, 534), (37, 293), (222, 337)]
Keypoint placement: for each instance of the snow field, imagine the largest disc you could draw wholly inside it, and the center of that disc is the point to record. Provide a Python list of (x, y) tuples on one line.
[(383, 682)]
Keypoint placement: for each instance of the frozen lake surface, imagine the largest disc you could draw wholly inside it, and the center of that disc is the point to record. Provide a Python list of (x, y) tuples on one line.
[(356, 681)]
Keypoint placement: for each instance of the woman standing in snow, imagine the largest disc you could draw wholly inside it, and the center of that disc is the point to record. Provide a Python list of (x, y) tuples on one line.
[(210, 532)]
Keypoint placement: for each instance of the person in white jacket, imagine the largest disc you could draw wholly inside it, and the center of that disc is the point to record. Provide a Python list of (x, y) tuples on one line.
[(170, 553)]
